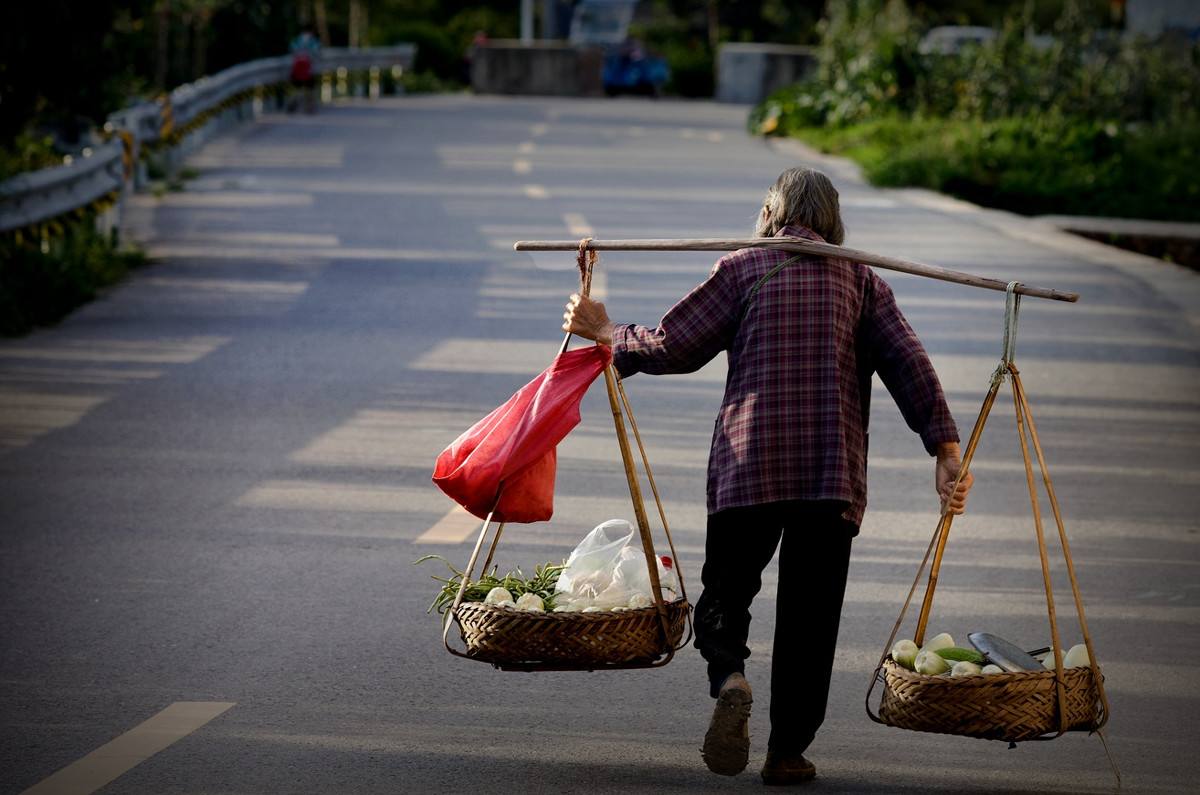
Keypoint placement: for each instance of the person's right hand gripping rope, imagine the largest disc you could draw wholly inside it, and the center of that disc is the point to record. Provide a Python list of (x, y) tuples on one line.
[(945, 471)]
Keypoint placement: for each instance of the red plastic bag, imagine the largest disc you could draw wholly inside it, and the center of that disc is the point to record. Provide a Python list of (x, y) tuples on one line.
[(510, 453)]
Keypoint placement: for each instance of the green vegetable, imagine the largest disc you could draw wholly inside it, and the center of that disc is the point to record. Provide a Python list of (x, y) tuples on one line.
[(542, 583), (905, 653), (930, 663), (959, 654)]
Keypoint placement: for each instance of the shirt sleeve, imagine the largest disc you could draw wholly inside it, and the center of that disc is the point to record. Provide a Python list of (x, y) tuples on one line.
[(904, 366), (689, 335)]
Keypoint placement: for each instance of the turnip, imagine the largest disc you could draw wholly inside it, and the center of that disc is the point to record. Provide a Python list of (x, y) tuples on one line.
[(1077, 657), (638, 601), (497, 595), (930, 663), (965, 668), (531, 602), (905, 653), (942, 641)]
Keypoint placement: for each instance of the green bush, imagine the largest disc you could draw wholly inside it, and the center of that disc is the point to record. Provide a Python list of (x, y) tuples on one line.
[(691, 68), (438, 52), (1087, 124), (1042, 164), (28, 151), (41, 283)]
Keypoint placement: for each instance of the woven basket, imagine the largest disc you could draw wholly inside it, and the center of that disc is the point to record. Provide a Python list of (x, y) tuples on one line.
[(510, 638), (1009, 706)]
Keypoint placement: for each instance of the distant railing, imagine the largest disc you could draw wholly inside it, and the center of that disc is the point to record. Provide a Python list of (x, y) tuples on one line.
[(169, 127)]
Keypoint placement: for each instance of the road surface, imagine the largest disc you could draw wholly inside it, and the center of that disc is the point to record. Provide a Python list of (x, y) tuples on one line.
[(214, 480)]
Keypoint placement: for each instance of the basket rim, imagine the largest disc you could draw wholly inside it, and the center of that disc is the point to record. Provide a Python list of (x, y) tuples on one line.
[(893, 668), (549, 615)]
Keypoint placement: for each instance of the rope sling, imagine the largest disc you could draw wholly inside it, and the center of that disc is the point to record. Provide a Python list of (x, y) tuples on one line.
[(1012, 706), (519, 641)]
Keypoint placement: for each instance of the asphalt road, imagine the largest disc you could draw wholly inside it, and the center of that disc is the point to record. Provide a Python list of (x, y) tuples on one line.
[(215, 479)]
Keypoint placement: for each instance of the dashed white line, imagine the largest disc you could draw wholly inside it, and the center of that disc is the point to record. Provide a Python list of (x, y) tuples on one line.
[(538, 130), (132, 748), (522, 166), (577, 225), (536, 192), (453, 528), (526, 148)]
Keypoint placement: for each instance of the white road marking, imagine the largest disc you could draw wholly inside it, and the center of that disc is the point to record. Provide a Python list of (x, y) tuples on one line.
[(522, 166), (538, 130), (167, 350), (454, 528), (715, 137), (526, 148), (536, 192), (224, 199), (132, 748), (271, 238), (233, 286), (577, 225), (330, 496), (26, 415)]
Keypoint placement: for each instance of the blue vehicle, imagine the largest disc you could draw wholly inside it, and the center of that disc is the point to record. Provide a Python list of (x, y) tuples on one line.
[(628, 68)]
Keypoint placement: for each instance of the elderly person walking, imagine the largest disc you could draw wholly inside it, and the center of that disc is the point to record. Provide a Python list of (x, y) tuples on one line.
[(788, 463)]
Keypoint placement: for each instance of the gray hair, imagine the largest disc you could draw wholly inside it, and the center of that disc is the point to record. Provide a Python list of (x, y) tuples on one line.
[(802, 197)]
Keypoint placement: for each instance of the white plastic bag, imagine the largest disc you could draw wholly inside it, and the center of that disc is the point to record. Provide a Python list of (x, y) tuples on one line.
[(608, 570)]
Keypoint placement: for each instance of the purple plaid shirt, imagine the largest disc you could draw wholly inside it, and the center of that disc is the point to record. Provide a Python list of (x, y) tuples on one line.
[(793, 424)]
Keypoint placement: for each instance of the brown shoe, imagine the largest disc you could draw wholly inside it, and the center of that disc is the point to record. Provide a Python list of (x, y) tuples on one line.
[(783, 770), (726, 748)]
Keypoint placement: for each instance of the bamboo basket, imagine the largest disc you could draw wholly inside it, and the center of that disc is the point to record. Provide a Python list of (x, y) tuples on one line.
[(515, 639), (1011, 706)]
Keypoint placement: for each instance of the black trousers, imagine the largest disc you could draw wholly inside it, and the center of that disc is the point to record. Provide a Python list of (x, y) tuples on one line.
[(814, 558)]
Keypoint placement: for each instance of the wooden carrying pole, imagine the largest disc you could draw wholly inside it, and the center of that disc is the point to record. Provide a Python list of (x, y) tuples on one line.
[(801, 245)]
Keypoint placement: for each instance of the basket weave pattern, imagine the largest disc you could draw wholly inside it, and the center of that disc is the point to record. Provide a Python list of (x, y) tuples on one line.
[(1009, 706), (504, 636)]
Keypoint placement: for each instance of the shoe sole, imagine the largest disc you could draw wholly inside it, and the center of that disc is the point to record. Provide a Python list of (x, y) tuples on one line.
[(726, 748)]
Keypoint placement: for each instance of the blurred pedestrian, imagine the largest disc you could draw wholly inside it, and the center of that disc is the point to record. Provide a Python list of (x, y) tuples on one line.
[(306, 50), (788, 465)]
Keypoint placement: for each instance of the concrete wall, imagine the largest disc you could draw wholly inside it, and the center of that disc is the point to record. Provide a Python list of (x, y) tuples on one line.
[(749, 72), (552, 68)]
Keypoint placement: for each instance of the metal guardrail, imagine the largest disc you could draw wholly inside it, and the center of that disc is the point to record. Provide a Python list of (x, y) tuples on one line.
[(36, 197)]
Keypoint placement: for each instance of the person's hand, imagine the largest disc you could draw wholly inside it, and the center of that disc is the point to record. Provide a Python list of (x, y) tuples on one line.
[(944, 474), (588, 319)]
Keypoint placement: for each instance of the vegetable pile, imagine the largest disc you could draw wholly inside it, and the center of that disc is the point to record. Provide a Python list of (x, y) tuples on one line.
[(536, 594), (514, 589), (940, 656)]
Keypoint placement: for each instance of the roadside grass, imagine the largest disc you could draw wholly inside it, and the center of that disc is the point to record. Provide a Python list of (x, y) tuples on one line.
[(1032, 165), (42, 280)]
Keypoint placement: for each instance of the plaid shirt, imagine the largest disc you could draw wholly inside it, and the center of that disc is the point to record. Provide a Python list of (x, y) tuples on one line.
[(793, 423)]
